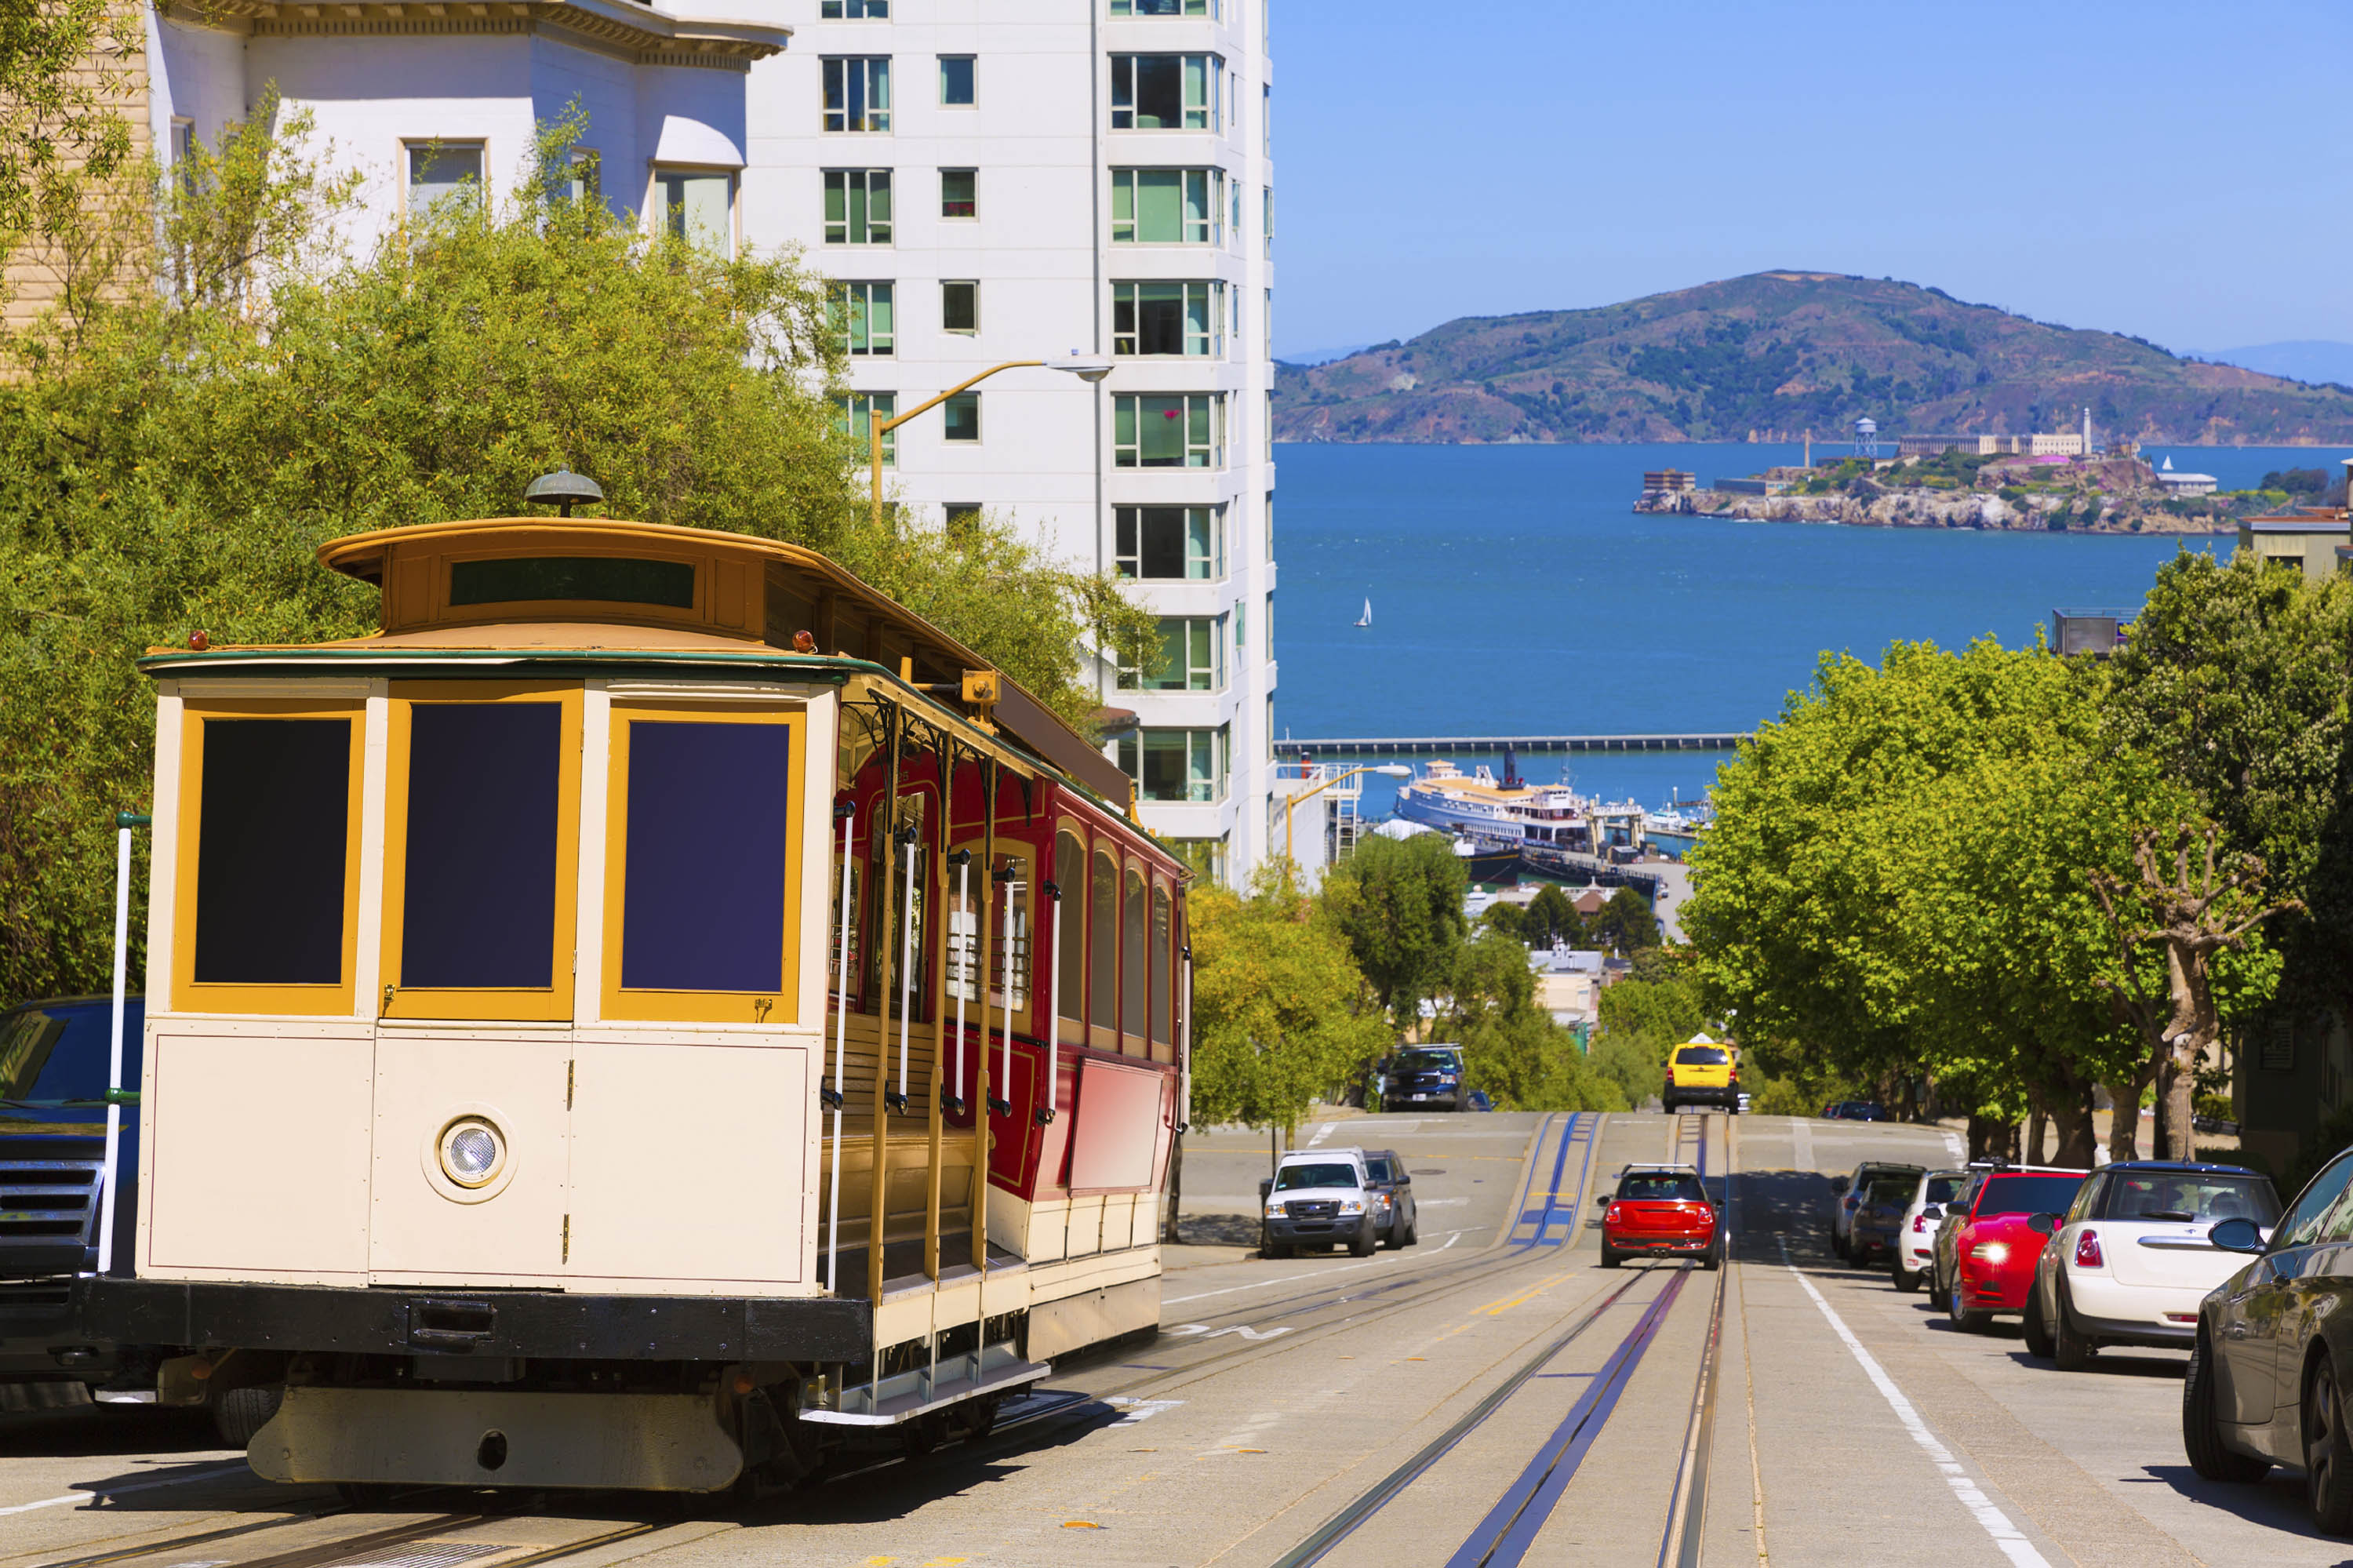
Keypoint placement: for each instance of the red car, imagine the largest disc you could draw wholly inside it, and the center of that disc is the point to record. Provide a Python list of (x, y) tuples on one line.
[(1985, 1249), (1660, 1211)]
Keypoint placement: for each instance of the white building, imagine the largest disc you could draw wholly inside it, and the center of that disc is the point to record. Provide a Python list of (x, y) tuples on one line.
[(990, 180)]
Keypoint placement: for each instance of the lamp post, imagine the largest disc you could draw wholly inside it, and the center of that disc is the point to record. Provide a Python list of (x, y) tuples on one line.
[(1387, 770), (1086, 367)]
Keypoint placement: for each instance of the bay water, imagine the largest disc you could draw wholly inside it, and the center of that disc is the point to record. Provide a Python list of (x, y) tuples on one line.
[(1515, 591)]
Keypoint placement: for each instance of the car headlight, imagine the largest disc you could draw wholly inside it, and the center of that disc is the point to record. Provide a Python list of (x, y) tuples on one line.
[(1274, 1211), (472, 1152), (1990, 1252), (1352, 1205)]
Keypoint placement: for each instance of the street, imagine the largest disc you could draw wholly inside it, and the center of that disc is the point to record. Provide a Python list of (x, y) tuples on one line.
[(1491, 1395)]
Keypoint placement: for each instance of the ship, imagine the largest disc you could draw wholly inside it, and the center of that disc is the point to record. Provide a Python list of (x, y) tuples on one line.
[(1509, 815)]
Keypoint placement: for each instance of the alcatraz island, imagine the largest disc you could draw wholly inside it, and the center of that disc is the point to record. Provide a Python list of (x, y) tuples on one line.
[(2055, 481)]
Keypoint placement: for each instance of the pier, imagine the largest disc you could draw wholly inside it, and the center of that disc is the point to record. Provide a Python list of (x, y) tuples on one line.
[(1518, 745)]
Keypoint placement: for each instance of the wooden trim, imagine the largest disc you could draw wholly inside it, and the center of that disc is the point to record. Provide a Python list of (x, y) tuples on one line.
[(702, 1006), (322, 1001), (552, 1002)]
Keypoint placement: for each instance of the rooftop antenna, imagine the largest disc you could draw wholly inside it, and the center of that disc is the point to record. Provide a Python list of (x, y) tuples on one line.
[(563, 488)]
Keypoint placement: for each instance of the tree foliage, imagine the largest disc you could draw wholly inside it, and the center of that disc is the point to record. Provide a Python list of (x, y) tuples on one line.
[(171, 461), (1398, 904)]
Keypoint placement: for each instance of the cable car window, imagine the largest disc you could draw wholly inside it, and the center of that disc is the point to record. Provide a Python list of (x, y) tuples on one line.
[(703, 899), (1103, 931), (1164, 1031), (1133, 998), (1071, 876), (479, 892), (272, 848), (611, 580)]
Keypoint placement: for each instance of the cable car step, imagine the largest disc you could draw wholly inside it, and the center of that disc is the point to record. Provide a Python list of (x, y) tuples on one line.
[(992, 1370)]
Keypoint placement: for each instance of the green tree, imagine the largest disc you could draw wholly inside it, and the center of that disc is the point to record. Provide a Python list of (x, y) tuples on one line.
[(1553, 920), (1625, 922), (1398, 904), (68, 84), (170, 461), (1508, 917)]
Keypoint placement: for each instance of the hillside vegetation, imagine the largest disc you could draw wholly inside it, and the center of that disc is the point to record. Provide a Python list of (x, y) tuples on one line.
[(1775, 354)]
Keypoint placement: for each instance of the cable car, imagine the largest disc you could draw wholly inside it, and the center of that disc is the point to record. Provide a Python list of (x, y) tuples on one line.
[(598, 1039)]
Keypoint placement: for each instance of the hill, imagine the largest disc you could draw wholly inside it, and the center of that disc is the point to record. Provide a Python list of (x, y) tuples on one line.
[(1777, 353)]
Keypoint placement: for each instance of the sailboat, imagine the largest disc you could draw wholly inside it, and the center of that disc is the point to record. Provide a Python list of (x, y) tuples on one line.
[(1366, 619)]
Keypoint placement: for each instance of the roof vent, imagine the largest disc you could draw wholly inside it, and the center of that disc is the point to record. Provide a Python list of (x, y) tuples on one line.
[(563, 488)]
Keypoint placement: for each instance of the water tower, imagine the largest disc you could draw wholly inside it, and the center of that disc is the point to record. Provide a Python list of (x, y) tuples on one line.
[(1866, 438)]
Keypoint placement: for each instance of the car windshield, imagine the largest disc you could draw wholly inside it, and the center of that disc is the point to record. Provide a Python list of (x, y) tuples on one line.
[(1376, 1169), (2190, 1195), (2027, 1195), (1291, 1178), (1942, 1188), (1661, 1186), (1702, 1056), (1425, 1061)]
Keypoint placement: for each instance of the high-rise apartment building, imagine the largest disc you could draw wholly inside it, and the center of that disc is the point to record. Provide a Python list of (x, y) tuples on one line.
[(986, 181)]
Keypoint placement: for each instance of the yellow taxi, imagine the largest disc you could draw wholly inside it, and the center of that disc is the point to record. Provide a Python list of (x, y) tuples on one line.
[(1701, 1071)]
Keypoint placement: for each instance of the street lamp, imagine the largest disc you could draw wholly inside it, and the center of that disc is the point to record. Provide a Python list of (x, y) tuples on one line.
[(1387, 770), (1088, 368)]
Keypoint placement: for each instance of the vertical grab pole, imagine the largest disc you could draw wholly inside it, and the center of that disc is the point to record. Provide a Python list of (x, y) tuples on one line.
[(1185, 1047), (833, 1097), (907, 846), (963, 859), (1012, 877), (124, 823), (1053, 1003)]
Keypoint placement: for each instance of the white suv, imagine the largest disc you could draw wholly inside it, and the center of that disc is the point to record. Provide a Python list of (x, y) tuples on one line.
[(1320, 1198), (2129, 1261)]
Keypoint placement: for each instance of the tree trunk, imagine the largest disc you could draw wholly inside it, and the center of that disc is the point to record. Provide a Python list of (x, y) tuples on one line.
[(2037, 1124), (2077, 1136), (2124, 1127), (2194, 1024), (1990, 1137), (2181, 1106)]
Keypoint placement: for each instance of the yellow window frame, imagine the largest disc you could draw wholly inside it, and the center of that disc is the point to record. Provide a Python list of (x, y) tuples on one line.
[(648, 1005), (307, 999), (552, 1002)]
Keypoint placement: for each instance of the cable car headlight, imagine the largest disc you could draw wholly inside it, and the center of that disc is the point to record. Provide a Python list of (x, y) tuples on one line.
[(472, 1151)]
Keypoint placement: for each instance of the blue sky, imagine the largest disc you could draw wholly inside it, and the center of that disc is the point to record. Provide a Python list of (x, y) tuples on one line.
[(2179, 172)]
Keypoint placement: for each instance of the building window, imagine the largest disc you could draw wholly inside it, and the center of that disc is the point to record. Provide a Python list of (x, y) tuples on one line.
[(958, 75), (1266, 327), (1266, 631), (959, 305), (1266, 120), (1168, 206), (1235, 188), (1185, 766), (1241, 626), (961, 414), (1165, 93), (442, 174), (1267, 523), (1266, 197), (858, 92), (1169, 543), (857, 206), (584, 177), (1192, 658), (1266, 447), (859, 410), (1171, 430), (1186, 318), (959, 193), (854, 10), (698, 206), (1164, 7), (861, 319), (963, 520)]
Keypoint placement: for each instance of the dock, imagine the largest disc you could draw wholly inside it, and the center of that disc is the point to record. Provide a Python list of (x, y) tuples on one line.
[(1519, 745)]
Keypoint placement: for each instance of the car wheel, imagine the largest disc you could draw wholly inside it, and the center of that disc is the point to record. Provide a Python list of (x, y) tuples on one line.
[(1938, 1297), (2201, 1428), (2035, 1326), (2327, 1455), (1412, 1230), (1609, 1256), (1904, 1279), (1958, 1313), (2071, 1348), (1396, 1238), (1713, 1256), (1362, 1247), (240, 1413)]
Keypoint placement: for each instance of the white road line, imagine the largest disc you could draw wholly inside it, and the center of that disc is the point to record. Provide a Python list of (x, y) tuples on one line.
[(1960, 1151), (1279, 1279), (1321, 1134), (1802, 1135), (1996, 1523), (201, 1473)]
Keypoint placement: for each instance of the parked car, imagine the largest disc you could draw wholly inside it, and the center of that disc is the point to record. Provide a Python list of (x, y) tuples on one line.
[(1916, 1235), (1424, 1077), (1395, 1221), (1985, 1250), (1660, 1211), (2273, 1352), (1847, 1193), (1879, 1219), (2129, 1261), (1477, 1100), (1855, 1110), (1320, 1198), (1702, 1073)]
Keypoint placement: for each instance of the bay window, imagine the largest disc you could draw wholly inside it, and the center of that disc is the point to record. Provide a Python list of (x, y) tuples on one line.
[(1174, 318), (1167, 92), (1192, 658), (1169, 543), (1168, 207), (1182, 766)]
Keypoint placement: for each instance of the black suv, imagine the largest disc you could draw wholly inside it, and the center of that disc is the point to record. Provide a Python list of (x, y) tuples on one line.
[(1421, 1075), (1395, 1221)]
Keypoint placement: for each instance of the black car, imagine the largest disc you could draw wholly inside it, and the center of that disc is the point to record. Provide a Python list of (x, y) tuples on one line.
[(1395, 1221), (2273, 1360), (1424, 1077), (1855, 1110)]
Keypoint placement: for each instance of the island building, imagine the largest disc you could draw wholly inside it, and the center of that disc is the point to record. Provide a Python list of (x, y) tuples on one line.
[(984, 184), (2051, 443), (2185, 483), (1669, 481)]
